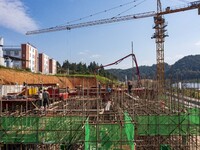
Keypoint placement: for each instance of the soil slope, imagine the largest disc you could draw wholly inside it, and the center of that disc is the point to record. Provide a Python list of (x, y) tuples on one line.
[(11, 76)]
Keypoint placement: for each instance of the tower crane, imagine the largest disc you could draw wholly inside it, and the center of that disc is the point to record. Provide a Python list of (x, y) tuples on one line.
[(159, 27), (160, 35)]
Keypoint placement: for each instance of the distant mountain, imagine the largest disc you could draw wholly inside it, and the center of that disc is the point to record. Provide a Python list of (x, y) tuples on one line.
[(187, 68), (147, 72)]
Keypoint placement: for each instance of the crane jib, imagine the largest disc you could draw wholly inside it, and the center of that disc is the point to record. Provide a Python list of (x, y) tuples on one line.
[(168, 10)]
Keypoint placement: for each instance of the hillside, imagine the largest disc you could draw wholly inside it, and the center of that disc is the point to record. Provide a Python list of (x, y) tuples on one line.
[(11, 76), (146, 72), (187, 68)]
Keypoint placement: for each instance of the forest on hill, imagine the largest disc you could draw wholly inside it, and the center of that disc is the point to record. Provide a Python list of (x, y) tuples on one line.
[(82, 68), (187, 68)]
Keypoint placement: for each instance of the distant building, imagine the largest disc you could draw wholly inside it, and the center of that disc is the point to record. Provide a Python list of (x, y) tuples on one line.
[(25, 57), (30, 54), (12, 52), (1, 52), (43, 63), (52, 66)]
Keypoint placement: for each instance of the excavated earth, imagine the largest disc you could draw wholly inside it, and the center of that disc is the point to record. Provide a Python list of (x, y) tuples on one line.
[(13, 77)]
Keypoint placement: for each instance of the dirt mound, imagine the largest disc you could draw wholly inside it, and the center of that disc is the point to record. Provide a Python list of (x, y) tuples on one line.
[(11, 76)]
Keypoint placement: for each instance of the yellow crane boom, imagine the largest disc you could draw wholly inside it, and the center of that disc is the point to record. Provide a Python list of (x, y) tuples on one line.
[(168, 10)]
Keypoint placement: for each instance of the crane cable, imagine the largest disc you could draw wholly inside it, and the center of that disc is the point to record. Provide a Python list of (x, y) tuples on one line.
[(184, 1), (129, 9), (104, 11)]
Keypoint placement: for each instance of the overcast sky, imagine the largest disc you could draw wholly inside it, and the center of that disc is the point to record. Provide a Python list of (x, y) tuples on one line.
[(104, 43)]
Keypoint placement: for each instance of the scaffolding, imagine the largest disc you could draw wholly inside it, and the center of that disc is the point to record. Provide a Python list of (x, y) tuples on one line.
[(141, 120)]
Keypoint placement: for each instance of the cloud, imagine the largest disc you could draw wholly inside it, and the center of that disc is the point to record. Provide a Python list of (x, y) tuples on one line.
[(81, 53), (13, 15), (197, 43), (87, 53), (174, 58), (84, 52), (95, 56)]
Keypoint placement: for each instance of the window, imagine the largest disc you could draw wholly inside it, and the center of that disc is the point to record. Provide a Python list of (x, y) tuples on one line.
[(7, 52), (11, 53), (16, 53)]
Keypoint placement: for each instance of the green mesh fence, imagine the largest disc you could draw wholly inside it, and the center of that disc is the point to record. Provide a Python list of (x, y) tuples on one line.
[(129, 128), (165, 147), (41, 129), (65, 130), (87, 135), (182, 124), (194, 116), (110, 136)]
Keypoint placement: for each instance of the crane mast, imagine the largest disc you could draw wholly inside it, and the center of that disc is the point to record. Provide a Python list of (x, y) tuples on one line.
[(159, 35)]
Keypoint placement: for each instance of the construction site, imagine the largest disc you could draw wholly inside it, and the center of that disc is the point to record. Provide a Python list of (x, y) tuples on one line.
[(84, 113), (94, 117)]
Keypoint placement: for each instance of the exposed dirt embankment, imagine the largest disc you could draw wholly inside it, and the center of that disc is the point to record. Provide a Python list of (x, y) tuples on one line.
[(10, 76)]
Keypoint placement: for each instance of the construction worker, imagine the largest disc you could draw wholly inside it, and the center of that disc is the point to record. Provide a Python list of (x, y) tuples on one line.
[(108, 104), (67, 89), (40, 98), (45, 96), (99, 88), (129, 87)]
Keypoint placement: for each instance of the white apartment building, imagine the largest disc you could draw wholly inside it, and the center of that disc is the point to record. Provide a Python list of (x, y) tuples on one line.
[(43, 63), (1, 52), (25, 57), (52, 66), (30, 55)]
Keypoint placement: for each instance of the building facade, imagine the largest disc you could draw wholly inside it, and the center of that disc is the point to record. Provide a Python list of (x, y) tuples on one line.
[(12, 52), (26, 57), (30, 54), (52, 66), (43, 63), (1, 52)]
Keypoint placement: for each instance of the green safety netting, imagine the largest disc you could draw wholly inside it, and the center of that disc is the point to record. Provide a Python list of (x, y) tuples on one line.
[(129, 128), (87, 135), (165, 147), (194, 116), (41, 129), (180, 124), (110, 136), (64, 130)]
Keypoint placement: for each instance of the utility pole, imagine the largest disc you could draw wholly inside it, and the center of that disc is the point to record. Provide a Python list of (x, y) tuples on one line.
[(159, 36), (132, 62)]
